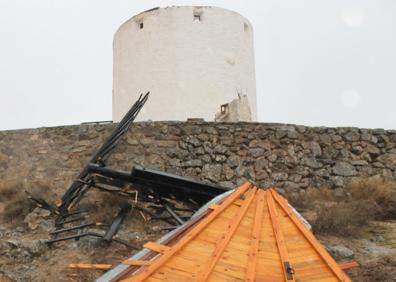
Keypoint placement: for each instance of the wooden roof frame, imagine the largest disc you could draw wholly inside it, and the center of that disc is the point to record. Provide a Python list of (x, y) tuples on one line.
[(241, 199)]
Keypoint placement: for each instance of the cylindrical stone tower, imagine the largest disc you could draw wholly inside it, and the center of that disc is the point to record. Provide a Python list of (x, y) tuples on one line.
[(191, 59)]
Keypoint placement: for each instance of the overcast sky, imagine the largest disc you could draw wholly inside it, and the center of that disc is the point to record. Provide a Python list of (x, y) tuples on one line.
[(326, 63)]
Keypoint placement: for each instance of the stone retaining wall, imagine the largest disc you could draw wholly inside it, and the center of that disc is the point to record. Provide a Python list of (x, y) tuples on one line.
[(288, 156)]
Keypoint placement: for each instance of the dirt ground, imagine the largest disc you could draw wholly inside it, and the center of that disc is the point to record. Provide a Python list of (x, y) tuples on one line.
[(25, 257), (375, 251)]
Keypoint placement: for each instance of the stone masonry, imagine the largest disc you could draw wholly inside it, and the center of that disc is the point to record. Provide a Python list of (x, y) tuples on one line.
[(290, 157)]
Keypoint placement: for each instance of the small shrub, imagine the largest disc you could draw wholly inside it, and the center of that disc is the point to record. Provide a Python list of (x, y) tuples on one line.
[(347, 215), (379, 194), (341, 218), (311, 197)]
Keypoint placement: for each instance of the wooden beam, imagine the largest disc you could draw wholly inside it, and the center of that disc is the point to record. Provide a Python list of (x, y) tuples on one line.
[(312, 240), (223, 241), (146, 272), (90, 266), (213, 206), (348, 265), (255, 239), (280, 240), (156, 247)]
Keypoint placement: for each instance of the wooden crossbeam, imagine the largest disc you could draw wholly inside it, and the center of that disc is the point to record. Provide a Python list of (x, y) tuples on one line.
[(311, 239), (146, 272), (90, 266), (156, 247), (280, 241), (222, 243), (255, 239)]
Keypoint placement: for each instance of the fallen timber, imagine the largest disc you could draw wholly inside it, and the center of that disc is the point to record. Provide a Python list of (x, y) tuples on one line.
[(158, 183), (83, 181), (173, 198)]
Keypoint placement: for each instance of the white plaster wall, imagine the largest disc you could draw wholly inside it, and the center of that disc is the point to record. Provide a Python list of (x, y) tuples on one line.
[(190, 67)]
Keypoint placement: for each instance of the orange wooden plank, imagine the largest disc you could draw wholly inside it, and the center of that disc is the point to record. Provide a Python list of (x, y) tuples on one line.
[(235, 272), (90, 266), (152, 279), (190, 235), (213, 206), (187, 264), (280, 241), (221, 277), (311, 239), (254, 245), (226, 237), (156, 247), (348, 265), (166, 273)]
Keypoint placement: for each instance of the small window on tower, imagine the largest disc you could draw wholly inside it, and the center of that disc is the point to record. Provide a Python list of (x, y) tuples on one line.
[(245, 27), (141, 25), (197, 17), (224, 108)]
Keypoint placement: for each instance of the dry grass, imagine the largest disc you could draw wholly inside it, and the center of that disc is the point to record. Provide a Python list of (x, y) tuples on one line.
[(349, 213), (15, 201), (15, 205), (380, 195), (312, 197), (345, 218)]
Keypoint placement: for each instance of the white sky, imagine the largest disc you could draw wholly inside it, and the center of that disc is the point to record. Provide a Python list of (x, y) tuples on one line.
[(329, 63)]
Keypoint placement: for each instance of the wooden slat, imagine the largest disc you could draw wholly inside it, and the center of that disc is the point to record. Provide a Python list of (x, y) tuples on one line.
[(348, 265), (213, 206), (171, 274), (190, 235), (280, 241), (254, 244), (90, 266), (136, 262), (226, 237), (311, 239), (156, 247)]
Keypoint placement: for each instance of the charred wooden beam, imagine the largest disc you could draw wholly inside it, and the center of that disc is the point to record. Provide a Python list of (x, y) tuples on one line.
[(108, 236), (116, 224), (161, 184), (91, 234), (173, 214), (82, 183)]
